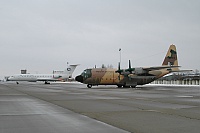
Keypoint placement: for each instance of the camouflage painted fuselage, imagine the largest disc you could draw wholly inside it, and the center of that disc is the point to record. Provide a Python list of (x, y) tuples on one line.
[(131, 76), (105, 76)]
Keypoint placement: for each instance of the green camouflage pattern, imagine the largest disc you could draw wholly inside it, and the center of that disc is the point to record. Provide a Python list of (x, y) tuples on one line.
[(109, 76)]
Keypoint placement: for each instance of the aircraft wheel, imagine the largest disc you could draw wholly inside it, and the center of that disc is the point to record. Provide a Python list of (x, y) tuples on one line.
[(133, 86), (89, 86), (126, 86), (46, 82), (119, 86)]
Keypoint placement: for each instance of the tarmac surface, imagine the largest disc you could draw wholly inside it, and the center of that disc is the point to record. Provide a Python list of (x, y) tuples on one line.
[(73, 108)]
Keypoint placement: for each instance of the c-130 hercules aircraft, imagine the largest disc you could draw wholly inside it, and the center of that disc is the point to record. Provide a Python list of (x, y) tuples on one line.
[(130, 77)]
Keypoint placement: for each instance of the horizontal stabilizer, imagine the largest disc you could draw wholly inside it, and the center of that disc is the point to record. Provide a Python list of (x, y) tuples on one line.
[(159, 67), (182, 71)]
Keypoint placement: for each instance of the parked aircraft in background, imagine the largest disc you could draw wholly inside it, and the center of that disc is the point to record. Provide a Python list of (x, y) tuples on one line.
[(56, 76), (130, 77)]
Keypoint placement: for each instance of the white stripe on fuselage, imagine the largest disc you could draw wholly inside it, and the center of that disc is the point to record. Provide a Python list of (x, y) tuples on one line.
[(37, 77)]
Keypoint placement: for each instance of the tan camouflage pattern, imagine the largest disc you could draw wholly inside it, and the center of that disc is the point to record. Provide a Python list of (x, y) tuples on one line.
[(108, 76), (171, 56)]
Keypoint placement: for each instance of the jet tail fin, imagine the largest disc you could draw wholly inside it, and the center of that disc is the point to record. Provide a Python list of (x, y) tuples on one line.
[(70, 69), (171, 58)]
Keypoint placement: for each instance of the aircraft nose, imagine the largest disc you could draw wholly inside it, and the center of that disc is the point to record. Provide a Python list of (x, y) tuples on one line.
[(79, 78)]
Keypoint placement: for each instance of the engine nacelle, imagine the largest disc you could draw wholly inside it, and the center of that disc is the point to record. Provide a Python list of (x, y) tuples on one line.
[(57, 76), (139, 70)]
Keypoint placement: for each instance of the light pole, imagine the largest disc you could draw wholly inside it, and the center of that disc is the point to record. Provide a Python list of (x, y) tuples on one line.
[(120, 55)]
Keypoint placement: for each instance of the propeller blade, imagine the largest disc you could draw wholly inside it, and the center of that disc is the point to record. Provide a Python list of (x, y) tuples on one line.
[(119, 70), (129, 64), (129, 67)]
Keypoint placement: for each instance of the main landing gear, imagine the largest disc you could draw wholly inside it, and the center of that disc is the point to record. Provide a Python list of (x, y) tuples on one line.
[(125, 86), (119, 86), (46, 82), (89, 86)]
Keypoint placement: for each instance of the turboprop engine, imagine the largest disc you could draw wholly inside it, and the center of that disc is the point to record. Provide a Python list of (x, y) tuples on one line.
[(139, 70), (130, 70)]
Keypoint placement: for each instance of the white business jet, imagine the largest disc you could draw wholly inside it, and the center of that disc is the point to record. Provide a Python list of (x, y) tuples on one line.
[(56, 76)]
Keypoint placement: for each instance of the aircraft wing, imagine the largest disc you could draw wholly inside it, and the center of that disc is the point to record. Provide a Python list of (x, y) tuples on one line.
[(158, 68), (182, 71), (48, 79)]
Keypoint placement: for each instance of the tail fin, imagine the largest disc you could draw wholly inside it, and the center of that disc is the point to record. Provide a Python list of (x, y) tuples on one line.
[(70, 69), (171, 57)]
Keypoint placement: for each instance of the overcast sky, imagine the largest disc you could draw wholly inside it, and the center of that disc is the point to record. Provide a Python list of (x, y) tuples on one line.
[(42, 35)]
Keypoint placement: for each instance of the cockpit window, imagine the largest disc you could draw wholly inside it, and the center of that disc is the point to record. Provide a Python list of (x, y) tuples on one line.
[(87, 73), (83, 73)]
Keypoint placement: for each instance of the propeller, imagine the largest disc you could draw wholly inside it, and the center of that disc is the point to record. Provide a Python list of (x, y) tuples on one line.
[(125, 72), (129, 68), (119, 70)]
